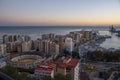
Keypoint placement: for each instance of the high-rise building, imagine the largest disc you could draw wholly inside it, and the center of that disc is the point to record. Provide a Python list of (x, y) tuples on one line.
[(69, 44), (37, 45), (40, 46), (61, 42), (14, 38), (53, 49), (27, 38), (2, 49), (10, 38), (78, 37), (50, 47), (5, 39), (87, 35), (19, 47), (26, 46), (12, 47), (48, 36), (72, 35), (46, 46)]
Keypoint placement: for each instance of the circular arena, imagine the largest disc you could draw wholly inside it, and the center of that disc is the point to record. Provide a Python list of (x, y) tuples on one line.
[(26, 61)]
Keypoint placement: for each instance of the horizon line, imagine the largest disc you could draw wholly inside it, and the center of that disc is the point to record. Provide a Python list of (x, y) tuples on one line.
[(58, 25)]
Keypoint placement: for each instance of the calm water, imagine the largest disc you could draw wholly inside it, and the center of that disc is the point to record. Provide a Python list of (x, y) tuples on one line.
[(113, 42), (36, 32)]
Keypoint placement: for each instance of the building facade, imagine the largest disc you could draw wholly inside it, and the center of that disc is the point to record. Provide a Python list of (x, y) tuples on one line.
[(2, 49), (68, 66), (44, 69), (69, 44)]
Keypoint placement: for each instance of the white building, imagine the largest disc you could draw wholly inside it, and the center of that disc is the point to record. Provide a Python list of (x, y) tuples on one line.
[(46, 46), (78, 38), (50, 47), (26, 46), (69, 44), (2, 49)]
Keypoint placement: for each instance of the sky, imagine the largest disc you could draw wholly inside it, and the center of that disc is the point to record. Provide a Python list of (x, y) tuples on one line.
[(59, 12)]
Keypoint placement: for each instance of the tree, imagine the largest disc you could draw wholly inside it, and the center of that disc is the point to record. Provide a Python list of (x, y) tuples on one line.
[(62, 77), (59, 77), (107, 56), (75, 54), (10, 71), (15, 74), (65, 52), (47, 78), (68, 77)]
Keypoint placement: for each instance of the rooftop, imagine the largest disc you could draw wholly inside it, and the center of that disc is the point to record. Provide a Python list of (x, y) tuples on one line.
[(67, 62), (46, 67)]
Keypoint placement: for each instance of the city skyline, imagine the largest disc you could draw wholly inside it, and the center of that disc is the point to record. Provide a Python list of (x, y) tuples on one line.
[(59, 12)]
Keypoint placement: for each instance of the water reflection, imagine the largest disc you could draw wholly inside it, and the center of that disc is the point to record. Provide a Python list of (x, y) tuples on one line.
[(113, 42)]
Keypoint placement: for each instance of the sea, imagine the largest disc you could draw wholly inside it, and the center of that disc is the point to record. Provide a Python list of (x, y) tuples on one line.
[(36, 32)]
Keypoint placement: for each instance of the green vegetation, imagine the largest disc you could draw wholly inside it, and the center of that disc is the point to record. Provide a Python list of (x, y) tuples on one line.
[(26, 70), (74, 54), (47, 78), (15, 74), (106, 56), (90, 68), (66, 53), (62, 77), (58, 77)]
